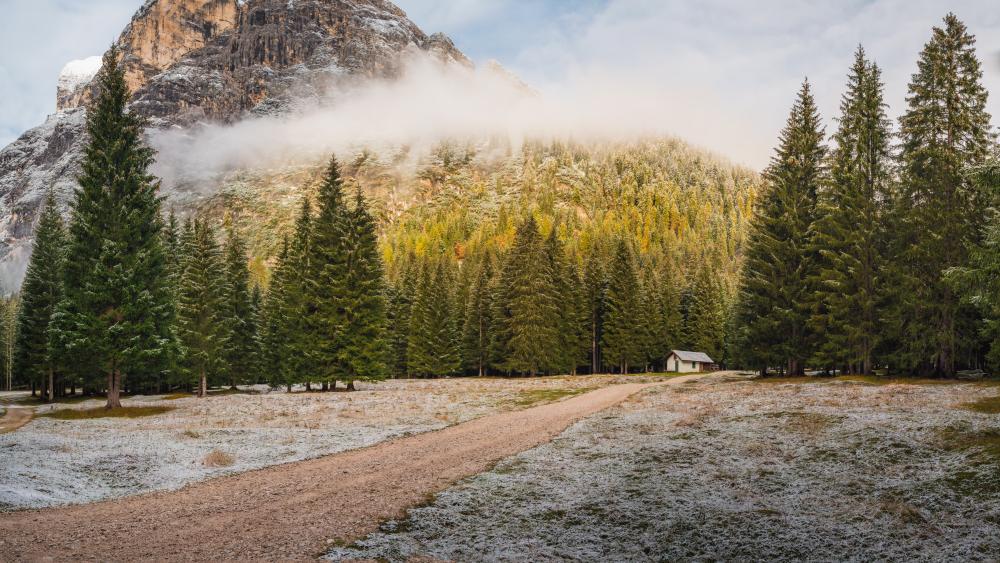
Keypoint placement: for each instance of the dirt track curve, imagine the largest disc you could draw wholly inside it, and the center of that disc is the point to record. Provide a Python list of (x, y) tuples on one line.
[(13, 419), (293, 511)]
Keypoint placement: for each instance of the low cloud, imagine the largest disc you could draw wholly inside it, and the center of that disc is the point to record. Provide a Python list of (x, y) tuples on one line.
[(429, 103)]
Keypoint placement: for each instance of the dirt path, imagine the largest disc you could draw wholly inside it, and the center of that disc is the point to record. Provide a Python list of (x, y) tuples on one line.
[(297, 510), (13, 419)]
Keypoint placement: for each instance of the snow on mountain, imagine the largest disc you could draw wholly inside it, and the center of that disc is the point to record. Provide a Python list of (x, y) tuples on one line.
[(74, 76), (195, 62)]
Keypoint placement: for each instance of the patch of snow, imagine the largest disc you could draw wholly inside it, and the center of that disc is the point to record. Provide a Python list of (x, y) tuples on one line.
[(730, 471), (51, 462), (79, 73)]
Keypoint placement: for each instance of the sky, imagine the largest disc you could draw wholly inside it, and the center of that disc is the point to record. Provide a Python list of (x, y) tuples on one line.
[(719, 73)]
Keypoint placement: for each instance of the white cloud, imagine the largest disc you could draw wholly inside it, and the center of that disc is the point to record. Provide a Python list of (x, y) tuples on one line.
[(434, 15), (727, 71), (721, 73)]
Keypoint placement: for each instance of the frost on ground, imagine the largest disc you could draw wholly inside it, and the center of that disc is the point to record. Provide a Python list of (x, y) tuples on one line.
[(51, 462), (733, 471)]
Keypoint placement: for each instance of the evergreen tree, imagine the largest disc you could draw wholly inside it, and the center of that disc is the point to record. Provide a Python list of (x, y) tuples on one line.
[(240, 352), (276, 324), (579, 318), (202, 304), (117, 310), (561, 287), (400, 304), (434, 347), (329, 271), (477, 331), (847, 235), (300, 305), (670, 331), (362, 347), (619, 346), (530, 310), (980, 282), (594, 291), (10, 307), (172, 247), (984, 289), (256, 323), (41, 291), (706, 321), (650, 315), (774, 296), (937, 213)]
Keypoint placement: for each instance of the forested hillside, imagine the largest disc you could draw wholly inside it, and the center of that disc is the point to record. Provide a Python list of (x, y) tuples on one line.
[(452, 219)]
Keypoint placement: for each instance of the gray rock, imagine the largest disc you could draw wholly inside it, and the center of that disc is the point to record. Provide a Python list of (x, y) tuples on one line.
[(192, 62)]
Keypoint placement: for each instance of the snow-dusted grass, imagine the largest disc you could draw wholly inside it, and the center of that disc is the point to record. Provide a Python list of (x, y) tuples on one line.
[(52, 461), (837, 470)]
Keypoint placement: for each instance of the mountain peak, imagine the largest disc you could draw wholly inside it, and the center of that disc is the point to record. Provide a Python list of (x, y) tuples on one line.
[(192, 60), (218, 61)]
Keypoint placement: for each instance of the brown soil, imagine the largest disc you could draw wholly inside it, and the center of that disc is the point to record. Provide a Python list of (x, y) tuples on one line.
[(13, 419), (296, 510)]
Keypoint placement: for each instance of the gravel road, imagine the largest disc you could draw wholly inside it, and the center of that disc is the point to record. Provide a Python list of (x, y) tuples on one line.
[(297, 510)]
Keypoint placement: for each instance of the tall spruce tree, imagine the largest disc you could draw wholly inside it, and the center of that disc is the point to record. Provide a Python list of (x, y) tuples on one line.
[(980, 282), (10, 307), (276, 324), (434, 347), (650, 314), (595, 284), (400, 305), (848, 232), (257, 323), (936, 211), (530, 313), (478, 326), (201, 305), (580, 317), (240, 351), (670, 332), (363, 345), (705, 325), (774, 294), (328, 278), (117, 310), (562, 288), (40, 294), (620, 347)]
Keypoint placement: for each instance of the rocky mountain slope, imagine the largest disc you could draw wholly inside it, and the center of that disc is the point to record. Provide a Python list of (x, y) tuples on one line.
[(192, 62)]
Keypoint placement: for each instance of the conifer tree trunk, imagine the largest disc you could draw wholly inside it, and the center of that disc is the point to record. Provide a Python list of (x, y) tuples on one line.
[(350, 385), (114, 392), (51, 385), (202, 383)]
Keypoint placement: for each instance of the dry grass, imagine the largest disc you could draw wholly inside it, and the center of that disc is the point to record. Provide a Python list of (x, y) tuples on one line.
[(863, 379), (218, 458), (987, 405), (535, 397), (101, 412), (907, 513)]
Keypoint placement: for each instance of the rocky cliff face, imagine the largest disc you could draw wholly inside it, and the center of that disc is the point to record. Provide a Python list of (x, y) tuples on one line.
[(195, 61)]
